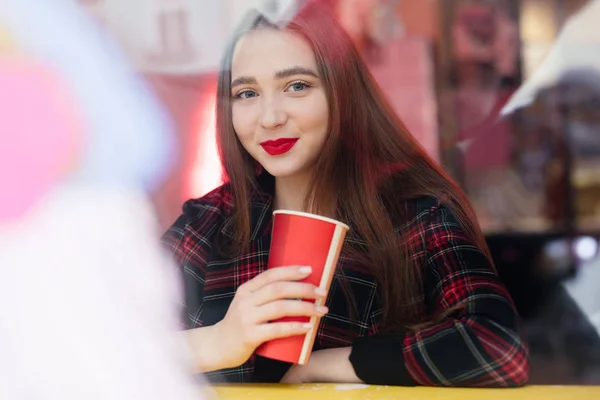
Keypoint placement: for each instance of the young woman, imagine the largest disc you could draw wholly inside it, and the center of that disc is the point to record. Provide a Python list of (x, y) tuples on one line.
[(416, 300)]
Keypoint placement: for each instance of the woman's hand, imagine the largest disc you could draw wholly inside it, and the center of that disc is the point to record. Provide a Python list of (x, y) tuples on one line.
[(267, 297)]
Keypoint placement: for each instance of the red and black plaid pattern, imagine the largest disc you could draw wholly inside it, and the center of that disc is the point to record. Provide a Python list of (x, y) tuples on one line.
[(478, 345)]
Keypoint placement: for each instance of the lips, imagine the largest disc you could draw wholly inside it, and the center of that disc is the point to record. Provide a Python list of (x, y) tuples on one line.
[(279, 146)]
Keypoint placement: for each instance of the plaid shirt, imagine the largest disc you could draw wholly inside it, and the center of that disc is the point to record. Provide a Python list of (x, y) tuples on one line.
[(480, 345)]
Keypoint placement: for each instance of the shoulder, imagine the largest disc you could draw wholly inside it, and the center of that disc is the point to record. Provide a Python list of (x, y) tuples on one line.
[(431, 220), (202, 216), (416, 213), (218, 202), (445, 232), (423, 206), (433, 210)]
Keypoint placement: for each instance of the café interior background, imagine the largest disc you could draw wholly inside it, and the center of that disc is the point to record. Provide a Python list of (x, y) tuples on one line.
[(504, 94)]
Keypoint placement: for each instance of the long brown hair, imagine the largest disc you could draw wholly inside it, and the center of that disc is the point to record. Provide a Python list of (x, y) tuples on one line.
[(370, 165)]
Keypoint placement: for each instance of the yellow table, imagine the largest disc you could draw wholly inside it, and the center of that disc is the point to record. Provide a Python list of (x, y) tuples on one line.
[(365, 392)]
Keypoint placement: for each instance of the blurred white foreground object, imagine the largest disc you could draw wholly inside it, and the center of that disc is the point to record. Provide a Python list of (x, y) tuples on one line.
[(89, 303)]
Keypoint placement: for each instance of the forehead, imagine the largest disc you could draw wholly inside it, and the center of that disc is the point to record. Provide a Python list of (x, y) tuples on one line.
[(265, 51)]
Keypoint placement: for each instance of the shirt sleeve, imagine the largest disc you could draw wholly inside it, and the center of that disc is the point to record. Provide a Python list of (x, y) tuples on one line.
[(185, 248), (478, 344)]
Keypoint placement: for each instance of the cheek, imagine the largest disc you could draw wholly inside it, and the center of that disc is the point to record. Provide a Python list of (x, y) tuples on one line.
[(242, 119), (315, 119), (324, 118), (315, 114)]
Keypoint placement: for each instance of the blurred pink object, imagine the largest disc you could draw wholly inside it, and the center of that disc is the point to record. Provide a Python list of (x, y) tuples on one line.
[(40, 130)]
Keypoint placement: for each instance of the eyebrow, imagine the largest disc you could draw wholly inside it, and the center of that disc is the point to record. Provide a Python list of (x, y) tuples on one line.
[(284, 73)]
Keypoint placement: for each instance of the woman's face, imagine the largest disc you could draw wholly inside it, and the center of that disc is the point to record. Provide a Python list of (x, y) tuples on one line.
[(280, 111)]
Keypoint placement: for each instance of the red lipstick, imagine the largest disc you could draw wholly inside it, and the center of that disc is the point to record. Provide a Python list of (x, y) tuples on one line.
[(279, 146)]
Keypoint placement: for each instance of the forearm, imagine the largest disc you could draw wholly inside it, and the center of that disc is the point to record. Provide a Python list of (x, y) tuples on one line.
[(379, 360), (472, 351), (333, 365), (206, 355)]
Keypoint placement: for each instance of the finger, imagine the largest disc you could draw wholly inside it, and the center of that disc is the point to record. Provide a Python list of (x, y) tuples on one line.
[(286, 290), (276, 330), (271, 275), (288, 308)]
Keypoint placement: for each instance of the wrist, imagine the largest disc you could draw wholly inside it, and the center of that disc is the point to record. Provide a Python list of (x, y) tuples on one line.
[(332, 365), (220, 347), (316, 369), (205, 347)]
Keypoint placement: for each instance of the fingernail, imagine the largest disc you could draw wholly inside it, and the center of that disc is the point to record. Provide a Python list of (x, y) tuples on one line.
[(320, 291), (322, 310), (307, 325), (305, 270)]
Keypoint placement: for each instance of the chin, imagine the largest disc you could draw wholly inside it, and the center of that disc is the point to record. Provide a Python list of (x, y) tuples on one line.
[(278, 173), (281, 172)]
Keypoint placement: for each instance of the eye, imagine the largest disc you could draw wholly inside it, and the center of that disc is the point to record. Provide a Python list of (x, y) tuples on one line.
[(246, 94), (298, 86)]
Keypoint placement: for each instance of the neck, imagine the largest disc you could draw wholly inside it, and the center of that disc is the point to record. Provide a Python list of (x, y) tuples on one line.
[(290, 192)]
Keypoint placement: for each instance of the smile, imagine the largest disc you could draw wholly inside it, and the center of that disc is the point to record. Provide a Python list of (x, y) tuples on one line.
[(279, 146)]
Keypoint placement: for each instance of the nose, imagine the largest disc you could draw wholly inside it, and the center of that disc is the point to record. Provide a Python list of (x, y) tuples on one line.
[(272, 113)]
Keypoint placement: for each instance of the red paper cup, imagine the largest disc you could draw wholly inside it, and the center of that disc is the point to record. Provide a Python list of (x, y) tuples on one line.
[(303, 239)]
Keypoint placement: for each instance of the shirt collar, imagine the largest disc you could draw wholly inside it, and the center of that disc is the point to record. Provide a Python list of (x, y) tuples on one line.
[(261, 209)]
